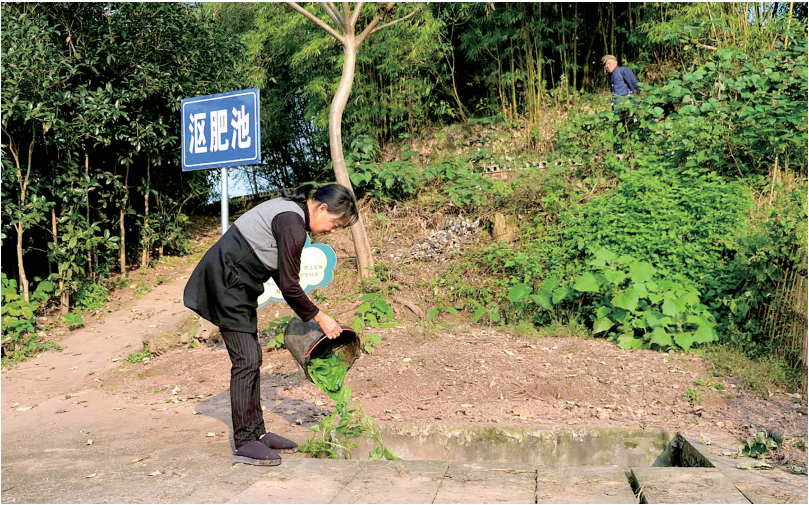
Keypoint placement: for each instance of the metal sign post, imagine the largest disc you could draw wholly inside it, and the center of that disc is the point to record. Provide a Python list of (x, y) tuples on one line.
[(221, 131), (225, 201)]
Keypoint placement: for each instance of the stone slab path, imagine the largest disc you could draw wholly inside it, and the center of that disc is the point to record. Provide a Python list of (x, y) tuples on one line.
[(302, 480)]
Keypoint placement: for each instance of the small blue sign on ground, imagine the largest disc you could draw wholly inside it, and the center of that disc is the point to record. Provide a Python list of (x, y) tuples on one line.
[(221, 130)]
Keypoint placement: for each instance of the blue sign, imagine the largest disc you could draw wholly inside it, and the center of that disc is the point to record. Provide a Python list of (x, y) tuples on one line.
[(317, 270), (221, 130)]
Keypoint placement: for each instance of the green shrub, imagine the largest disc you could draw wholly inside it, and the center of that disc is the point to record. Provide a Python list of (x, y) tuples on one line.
[(395, 180), (768, 249), (19, 338), (91, 297), (464, 188)]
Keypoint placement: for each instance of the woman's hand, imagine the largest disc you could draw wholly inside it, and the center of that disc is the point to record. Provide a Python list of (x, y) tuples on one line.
[(330, 327)]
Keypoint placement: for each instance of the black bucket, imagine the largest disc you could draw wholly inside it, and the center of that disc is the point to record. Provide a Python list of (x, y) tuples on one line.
[(307, 341)]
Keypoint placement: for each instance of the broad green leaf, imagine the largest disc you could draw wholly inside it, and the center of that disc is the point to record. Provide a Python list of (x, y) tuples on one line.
[(602, 257), (684, 340), (628, 341), (518, 292), (641, 272), (653, 318), (660, 337), (704, 334), (620, 315), (478, 314), (615, 277), (362, 309), (603, 311), (586, 283), (45, 286), (549, 285), (432, 313), (628, 300), (542, 300), (669, 308), (603, 324), (559, 295)]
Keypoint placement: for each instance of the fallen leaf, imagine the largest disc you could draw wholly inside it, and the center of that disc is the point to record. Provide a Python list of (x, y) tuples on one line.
[(155, 474), (138, 460), (89, 441), (466, 405), (175, 390), (23, 409), (160, 410), (704, 439), (407, 360), (91, 475), (210, 434), (509, 353), (319, 403), (117, 408), (732, 454), (114, 360)]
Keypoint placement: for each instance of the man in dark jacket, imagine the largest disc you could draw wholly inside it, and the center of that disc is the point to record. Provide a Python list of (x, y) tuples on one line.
[(622, 80)]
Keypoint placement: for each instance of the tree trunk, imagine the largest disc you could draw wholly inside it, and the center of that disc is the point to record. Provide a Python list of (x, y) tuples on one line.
[(87, 212), (144, 259), (64, 296), (20, 267), (122, 244), (451, 63), (19, 227), (362, 246)]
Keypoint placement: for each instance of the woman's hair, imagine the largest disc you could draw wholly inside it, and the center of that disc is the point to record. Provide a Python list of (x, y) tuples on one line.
[(338, 199)]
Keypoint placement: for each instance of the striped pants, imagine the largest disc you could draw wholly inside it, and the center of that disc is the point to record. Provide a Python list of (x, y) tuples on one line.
[(245, 388)]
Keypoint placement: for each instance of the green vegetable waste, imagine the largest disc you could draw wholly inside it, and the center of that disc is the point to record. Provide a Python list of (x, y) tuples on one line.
[(334, 434)]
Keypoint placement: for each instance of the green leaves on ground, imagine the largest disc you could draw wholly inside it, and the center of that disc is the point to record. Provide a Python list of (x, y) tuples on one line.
[(335, 433)]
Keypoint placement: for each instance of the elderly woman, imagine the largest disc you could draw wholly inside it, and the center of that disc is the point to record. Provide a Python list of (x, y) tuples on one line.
[(266, 242)]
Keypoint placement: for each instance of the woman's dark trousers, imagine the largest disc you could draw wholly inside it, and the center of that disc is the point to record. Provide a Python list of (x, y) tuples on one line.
[(245, 390)]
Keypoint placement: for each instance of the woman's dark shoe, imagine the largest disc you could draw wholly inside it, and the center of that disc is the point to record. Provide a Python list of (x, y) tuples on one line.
[(278, 443), (256, 453)]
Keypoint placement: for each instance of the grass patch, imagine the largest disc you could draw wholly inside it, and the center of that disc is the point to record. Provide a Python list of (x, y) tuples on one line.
[(570, 327), (757, 375), (141, 288), (137, 357)]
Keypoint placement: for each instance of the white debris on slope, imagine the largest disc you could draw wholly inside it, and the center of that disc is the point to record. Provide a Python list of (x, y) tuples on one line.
[(442, 244)]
